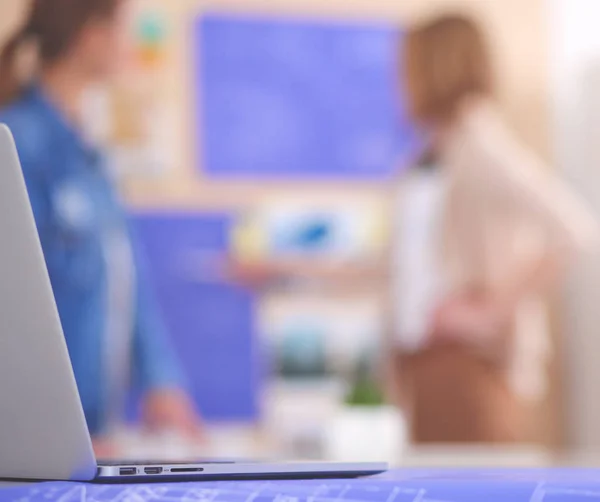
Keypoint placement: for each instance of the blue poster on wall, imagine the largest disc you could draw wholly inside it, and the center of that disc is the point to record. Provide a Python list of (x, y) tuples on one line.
[(299, 99), (210, 321)]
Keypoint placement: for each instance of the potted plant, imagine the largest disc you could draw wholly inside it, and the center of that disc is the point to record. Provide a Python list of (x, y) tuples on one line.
[(366, 428)]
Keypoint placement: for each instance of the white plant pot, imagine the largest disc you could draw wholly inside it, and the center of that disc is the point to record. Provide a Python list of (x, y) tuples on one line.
[(367, 434)]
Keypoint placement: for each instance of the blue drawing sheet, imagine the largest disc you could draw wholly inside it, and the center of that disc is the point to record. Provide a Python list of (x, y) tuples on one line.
[(401, 486), (282, 98)]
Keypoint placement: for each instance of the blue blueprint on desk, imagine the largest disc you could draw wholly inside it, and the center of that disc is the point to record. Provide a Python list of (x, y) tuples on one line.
[(401, 486)]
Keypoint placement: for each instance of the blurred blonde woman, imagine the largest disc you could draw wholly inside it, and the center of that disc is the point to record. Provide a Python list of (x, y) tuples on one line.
[(509, 227)]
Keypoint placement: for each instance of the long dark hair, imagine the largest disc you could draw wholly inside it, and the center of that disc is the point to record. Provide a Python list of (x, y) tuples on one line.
[(53, 25)]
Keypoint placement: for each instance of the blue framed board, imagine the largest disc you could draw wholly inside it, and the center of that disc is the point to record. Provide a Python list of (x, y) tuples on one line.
[(211, 322), (282, 98)]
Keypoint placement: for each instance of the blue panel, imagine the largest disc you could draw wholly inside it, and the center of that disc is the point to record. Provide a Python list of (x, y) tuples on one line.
[(211, 322), (281, 98)]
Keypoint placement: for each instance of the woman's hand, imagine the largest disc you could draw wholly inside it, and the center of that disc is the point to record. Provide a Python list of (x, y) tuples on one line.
[(105, 449), (172, 409), (470, 318), (254, 275)]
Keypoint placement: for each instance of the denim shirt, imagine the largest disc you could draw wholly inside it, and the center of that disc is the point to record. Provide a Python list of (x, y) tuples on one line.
[(76, 211)]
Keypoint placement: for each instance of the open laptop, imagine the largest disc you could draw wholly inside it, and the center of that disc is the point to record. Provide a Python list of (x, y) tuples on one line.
[(43, 432)]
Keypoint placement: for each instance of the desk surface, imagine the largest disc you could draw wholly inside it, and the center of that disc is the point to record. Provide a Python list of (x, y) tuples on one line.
[(565, 485)]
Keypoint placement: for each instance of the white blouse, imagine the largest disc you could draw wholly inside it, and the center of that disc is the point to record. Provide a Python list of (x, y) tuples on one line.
[(418, 284), (500, 210)]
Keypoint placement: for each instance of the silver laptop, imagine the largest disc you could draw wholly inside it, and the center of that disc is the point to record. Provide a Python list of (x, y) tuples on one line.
[(43, 433)]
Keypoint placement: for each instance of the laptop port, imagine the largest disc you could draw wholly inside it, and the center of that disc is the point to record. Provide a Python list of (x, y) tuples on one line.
[(127, 471), (181, 470), (153, 470)]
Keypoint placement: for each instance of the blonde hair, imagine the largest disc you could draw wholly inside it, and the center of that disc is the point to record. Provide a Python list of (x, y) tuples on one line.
[(446, 60)]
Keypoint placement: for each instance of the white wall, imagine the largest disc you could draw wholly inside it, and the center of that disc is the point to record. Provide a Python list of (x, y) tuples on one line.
[(575, 63)]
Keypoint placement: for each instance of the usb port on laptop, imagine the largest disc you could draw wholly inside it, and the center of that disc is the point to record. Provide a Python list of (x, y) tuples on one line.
[(153, 470), (127, 471)]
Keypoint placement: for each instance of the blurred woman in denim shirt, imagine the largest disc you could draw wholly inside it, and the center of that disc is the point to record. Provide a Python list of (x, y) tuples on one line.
[(110, 325)]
